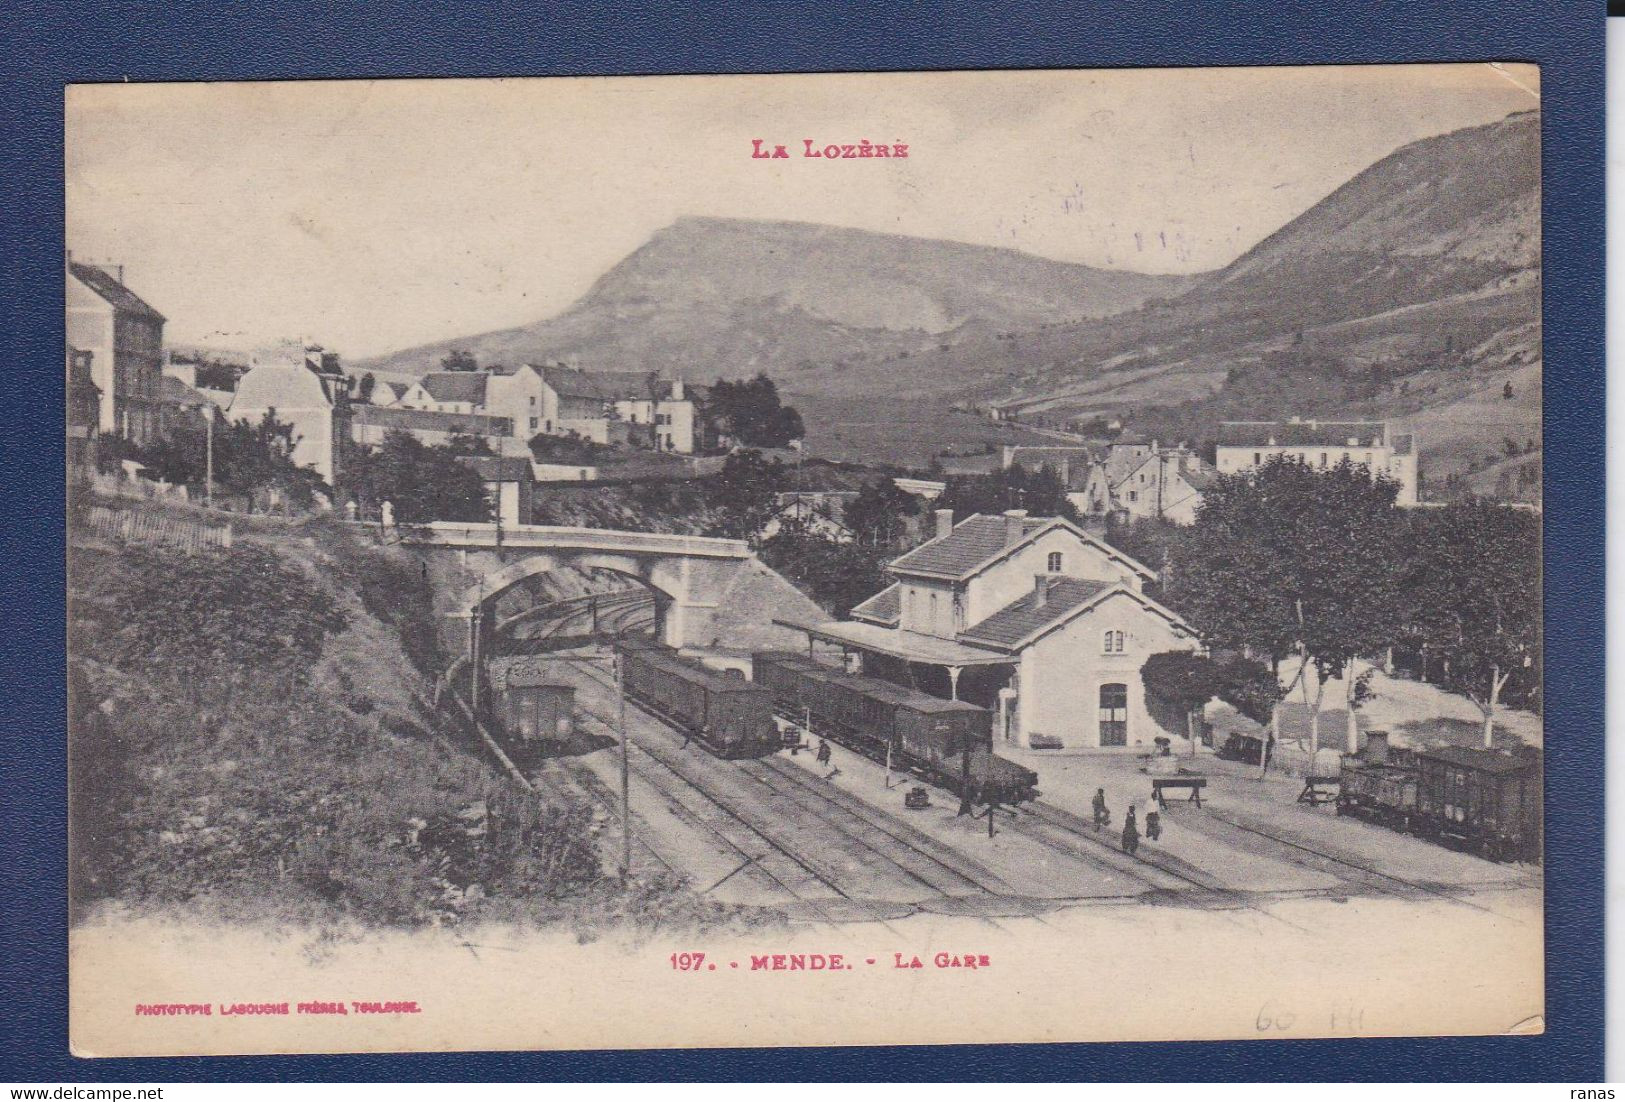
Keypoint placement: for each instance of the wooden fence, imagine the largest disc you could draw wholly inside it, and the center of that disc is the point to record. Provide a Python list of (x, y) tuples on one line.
[(150, 526)]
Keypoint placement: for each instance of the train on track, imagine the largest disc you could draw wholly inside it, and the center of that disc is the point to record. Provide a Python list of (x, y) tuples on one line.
[(924, 734), (1484, 800), (723, 712)]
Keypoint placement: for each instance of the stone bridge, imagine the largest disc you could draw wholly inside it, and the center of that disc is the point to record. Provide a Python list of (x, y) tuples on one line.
[(709, 592)]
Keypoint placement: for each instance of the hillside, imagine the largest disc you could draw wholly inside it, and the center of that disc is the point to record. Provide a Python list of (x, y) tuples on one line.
[(1411, 292), (250, 743), (713, 297)]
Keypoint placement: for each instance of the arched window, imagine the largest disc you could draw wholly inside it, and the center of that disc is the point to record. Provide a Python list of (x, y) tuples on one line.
[(1054, 562), (1114, 714), (1112, 642)]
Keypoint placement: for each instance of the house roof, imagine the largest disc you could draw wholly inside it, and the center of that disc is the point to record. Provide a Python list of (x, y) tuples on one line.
[(105, 284), (1024, 620), (282, 387), (1024, 616), (960, 552), (493, 468), (395, 388), (173, 392), (604, 386), (456, 386), (1302, 434), (979, 541), (885, 607), (908, 645)]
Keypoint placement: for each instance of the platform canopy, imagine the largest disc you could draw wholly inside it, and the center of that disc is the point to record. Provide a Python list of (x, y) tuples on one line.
[(911, 646)]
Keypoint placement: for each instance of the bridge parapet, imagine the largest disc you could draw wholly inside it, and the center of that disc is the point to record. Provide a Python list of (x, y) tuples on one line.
[(554, 537)]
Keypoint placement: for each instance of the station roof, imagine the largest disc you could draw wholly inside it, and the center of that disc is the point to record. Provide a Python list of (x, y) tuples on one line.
[(910, 646)]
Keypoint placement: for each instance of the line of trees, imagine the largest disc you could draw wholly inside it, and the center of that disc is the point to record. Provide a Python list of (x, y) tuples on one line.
[(1319, 566)]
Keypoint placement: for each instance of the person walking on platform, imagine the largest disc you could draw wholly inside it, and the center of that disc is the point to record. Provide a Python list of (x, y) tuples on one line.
[(1131, 833), (823, 752), (1102, 816), (1153, 821)]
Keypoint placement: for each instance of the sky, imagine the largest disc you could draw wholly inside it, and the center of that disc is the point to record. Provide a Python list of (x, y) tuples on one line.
[(375, 215)]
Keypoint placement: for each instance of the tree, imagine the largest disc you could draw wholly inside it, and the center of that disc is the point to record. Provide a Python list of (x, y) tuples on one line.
[(752, 413), (249, 457), (1473, 592), (459, 359), (1293, 559), (878, 515), (836, 575), (1039, 492), (365, 388), (421, 482), (469, 444), (745, 492), (1183, 680)]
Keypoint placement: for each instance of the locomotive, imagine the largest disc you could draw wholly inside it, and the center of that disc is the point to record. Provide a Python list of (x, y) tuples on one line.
[(1485, 800), (925, 734), (723, 712)]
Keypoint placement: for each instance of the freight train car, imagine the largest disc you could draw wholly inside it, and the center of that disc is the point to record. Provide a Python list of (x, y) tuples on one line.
[(924, 734), (1487, 801), (721, 711), (531, 708)]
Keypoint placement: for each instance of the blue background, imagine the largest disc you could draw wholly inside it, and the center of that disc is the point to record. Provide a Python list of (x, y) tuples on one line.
[(48, 44)]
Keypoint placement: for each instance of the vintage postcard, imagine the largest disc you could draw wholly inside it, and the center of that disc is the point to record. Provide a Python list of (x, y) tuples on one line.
[(855, 559)]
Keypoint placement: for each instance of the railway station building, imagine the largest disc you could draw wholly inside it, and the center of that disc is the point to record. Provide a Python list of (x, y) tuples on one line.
[(1030, 617)]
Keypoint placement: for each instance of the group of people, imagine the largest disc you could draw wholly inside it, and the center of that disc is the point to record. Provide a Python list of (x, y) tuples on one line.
[(1131, 828)]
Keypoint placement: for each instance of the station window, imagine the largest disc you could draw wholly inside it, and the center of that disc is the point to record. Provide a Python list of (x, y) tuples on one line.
[(1054, 566), (1258, 459), (1112, 642)]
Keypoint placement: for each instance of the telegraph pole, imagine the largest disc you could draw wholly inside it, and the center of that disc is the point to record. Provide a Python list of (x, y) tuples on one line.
[(208, 458), (626, 774)]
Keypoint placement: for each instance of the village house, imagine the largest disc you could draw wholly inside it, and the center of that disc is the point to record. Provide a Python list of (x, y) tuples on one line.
[(1166, 484), (84, 414), (299, 398), (1030, 617), (508, 483), (447, 392), (1245, 445), (124, 337), (369, 424), (1132, 477), (819, 512), (617, 407)]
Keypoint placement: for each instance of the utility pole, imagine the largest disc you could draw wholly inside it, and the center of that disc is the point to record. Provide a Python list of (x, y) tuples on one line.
[(626, 774), (208, 458), (474, 662)]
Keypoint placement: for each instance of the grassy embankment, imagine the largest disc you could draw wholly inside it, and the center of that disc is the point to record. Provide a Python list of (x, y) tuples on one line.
[(248, 743)]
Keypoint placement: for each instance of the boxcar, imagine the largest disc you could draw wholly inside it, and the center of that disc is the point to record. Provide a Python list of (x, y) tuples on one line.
[(530, 710), (1487, 800), (724, 712), (924, 733)]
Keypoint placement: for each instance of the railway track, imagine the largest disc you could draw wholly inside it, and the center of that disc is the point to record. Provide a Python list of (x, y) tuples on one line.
[(874, 844), (1319, 860), (747, 832)]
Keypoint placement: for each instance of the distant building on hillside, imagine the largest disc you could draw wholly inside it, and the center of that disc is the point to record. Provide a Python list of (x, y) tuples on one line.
[(447, 392), (1166, 485), (125, 339), (640, 410), (1244, 445), (1132, 477)]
